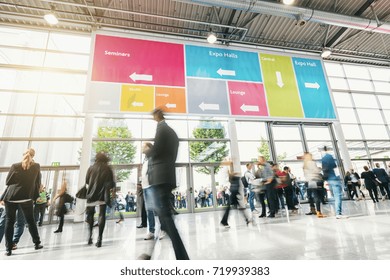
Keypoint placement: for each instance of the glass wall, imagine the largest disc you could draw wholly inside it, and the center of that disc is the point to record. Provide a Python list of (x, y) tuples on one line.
[(362, 98)]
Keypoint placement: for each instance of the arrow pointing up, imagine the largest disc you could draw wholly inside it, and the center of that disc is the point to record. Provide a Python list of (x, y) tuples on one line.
[(205, 106), (223, 72), (279, 79), (312, 85), (141, 77), (249, 108)]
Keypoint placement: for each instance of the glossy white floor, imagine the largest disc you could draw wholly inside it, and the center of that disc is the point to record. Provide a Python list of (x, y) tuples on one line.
[(365, 236)]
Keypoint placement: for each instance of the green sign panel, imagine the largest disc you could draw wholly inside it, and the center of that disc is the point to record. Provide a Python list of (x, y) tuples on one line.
[(55, 163)]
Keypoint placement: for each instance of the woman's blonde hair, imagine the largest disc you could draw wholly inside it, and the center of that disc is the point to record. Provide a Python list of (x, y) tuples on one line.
[(28, 156)]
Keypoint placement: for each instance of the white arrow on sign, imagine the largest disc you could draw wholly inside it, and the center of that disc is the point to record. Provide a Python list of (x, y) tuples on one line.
[(137, 104), (141, 77), (312, 85), (279, 79), (249, 108), (223, 72), (205, 106), (169, 105)]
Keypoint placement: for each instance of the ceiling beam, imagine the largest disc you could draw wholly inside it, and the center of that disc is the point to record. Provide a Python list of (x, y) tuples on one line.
[(344, 30)]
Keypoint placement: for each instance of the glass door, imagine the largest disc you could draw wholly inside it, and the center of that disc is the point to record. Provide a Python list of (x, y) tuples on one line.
[(210, 184)]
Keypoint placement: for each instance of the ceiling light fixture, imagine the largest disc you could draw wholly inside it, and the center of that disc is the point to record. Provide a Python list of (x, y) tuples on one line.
[(288, 2), (326, 53), (211, 37), (51, 18)]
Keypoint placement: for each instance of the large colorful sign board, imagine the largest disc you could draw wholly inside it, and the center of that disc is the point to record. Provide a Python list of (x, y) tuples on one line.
[(135, 76)]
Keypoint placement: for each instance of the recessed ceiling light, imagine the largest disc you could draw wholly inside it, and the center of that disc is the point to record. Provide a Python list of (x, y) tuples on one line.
[(51, 18), (288, 2), (326, 53), (211, 37)]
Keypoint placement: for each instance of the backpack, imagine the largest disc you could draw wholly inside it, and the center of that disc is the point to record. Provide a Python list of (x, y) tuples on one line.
[(244, 181)]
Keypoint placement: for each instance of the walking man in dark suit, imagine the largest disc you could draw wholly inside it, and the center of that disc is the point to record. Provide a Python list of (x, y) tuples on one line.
[(382, 176), (162, 178)]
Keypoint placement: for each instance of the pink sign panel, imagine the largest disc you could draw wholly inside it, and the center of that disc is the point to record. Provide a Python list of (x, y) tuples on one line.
[(125, 60), (247, 99)]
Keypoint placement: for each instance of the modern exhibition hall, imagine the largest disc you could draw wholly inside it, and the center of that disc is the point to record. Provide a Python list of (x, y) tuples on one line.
[(260, 85)]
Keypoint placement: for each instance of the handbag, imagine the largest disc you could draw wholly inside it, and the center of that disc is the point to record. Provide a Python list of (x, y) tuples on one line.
[(376, 182), (82, 193)]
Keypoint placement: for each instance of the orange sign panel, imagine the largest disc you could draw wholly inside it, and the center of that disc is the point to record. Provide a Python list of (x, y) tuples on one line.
[(172, 100)]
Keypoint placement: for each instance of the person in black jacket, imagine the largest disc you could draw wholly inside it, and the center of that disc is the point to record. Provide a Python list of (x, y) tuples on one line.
[(60, 207), (162, 178), (369, 181), (23, 181), (101, 187), (384, 179)]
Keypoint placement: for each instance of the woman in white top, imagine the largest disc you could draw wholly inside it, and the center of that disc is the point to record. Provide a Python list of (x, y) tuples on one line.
[(148, 198)]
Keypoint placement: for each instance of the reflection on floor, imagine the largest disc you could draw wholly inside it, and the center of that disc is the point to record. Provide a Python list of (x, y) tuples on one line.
[(365, 235)]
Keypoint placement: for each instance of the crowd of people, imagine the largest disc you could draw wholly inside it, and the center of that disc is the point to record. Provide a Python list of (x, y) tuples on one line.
[(274, 189)]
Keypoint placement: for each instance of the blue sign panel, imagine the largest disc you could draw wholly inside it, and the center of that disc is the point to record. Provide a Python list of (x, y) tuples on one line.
[(313, 89), (222, 64)]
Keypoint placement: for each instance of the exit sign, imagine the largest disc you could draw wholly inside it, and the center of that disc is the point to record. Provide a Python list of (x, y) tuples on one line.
[(55, 163)]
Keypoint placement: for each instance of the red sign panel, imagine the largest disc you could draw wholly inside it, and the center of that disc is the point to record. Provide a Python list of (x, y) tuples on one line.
[(247, 99), (125, 60)]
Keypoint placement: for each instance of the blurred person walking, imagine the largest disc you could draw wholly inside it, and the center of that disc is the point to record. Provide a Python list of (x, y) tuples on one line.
[(370, 181), (315, 182), (40, 205), (162, 179), (328, 166), (60, 206), (382, 176), (141, 206), (23, 181), (101, 188), (236, 195)]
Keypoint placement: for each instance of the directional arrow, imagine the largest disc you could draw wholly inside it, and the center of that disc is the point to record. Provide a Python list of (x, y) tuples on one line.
[(205, 106), (312, 85), (137, 104), (141, 77), (249, 108), (170, 105), (223, 72), (279, 79)]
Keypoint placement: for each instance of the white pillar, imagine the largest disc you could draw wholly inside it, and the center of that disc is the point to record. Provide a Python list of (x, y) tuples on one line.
[(235, 155), (342, 145), (84, 164)]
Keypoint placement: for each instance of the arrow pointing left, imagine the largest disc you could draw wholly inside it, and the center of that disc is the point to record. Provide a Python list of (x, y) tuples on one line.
[(249, 108), (223, 72), (141, 77), (137, 104), (169, 105)]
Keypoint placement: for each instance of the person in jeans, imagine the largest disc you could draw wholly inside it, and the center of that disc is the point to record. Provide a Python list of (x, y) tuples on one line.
[(147, 192), (23, 181), (40, 206), (19, 227), (249, 177), (328, 166), (162, 179)]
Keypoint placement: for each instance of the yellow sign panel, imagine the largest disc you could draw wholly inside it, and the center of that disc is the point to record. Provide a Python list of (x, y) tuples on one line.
[(136, 98)]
